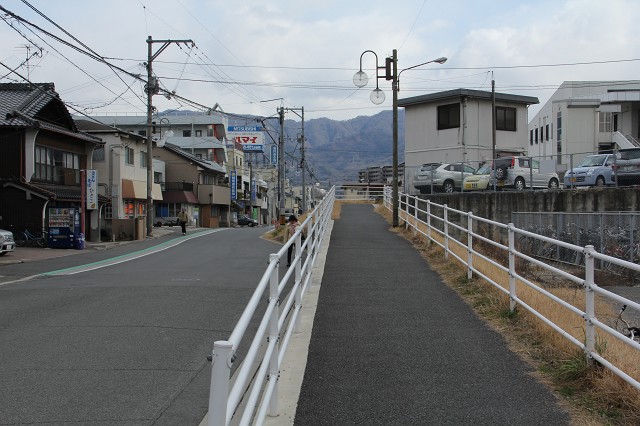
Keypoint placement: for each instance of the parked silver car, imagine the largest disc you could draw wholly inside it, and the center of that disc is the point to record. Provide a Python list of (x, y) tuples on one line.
[(524, 172), (445, 177), (627, 166), (7, 244)]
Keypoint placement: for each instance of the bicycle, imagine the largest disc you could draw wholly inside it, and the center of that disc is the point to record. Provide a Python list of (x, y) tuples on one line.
[(24, 238), (629, 331)]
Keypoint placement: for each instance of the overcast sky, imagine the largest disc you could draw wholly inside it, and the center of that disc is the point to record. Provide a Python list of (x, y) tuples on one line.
[(304, 53)]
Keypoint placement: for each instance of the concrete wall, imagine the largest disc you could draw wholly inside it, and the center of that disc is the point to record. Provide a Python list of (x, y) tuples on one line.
[(499, 206)]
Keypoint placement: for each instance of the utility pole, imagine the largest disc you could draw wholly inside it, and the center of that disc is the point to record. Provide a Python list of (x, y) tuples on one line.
[(281, 179), (152, 88), (303, 166), (394, 89), (250, 188), (301, 140)]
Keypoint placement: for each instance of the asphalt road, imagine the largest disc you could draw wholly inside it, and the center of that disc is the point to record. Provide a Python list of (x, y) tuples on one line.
[(123, 344)]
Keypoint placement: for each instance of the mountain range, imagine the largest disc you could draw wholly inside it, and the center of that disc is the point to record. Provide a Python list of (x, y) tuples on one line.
[(336, 150)]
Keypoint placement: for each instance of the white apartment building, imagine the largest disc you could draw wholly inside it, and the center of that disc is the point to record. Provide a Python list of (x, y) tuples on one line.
[(584, 117)]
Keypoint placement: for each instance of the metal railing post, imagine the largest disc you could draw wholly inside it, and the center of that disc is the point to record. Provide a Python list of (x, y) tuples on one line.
[(298, 280), (512, 268), (445, 216), (429, 222), (415, 215), (469, 245), (220, 373), (274, 333), (406, 213), (590, 310)]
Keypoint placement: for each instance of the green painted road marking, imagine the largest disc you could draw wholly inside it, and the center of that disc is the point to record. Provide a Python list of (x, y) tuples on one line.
[(129, 256)]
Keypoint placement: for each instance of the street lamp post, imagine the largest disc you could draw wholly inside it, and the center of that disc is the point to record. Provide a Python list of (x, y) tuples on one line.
[(360, 79)]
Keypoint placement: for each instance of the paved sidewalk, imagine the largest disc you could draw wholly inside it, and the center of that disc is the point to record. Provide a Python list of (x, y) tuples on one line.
[(393, 345), (31, 254)]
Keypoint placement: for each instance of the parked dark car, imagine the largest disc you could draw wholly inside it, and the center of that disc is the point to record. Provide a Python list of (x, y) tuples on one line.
[(246, 220), (166, 221), (627, 166)]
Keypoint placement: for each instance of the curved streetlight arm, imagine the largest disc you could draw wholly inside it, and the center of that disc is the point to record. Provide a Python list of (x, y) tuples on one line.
[(362, 54), (441, 60)]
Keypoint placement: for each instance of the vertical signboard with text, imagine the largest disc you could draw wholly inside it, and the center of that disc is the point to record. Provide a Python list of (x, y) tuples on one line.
[(92, 190), (233, 183)]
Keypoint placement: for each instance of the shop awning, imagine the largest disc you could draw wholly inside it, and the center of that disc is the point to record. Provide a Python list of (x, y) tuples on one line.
[(138, 189), (180, 197)]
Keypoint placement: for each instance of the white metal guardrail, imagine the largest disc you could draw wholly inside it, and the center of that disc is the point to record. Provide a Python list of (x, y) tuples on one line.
[(361, 192), (253, 395), (456, 232)]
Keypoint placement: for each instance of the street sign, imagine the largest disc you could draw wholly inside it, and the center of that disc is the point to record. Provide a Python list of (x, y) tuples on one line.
[(274, 154), (253, 148), (250, 137), (234, 187), (244, 128), (253, 190)]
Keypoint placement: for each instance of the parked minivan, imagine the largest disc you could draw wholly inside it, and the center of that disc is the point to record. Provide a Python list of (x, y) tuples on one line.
[(627, 166), (523, 172)]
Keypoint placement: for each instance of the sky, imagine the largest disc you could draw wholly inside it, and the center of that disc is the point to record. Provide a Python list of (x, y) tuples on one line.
[(252, 57)]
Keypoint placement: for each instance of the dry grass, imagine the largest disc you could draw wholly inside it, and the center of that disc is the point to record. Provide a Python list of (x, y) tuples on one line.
[(593, 395)]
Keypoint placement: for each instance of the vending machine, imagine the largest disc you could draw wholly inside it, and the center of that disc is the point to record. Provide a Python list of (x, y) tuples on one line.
[(64, 227)]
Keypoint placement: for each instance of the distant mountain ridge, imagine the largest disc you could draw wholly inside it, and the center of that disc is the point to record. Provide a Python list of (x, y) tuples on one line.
[(336, 150)]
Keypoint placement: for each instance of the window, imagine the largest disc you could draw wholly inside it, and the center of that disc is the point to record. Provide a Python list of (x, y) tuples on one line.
[(559, 132), (128, 156), (186, 133), (56, 166), (547, 132), (605, 121), (448, 116), (128, 209), (541, 134), (531, 137), (44, 163), (198, 133), (536, 137), (143, 159), (98, 154), (506, 119)]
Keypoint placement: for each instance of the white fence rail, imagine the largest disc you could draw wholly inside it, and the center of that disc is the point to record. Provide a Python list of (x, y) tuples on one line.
[(361, 192), (251, 395), (457, 233)]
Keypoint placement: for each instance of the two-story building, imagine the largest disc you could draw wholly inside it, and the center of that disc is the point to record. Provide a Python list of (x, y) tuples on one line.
[(584, 117), (197, 185), (42, 158), (456, 125), (122, 172)]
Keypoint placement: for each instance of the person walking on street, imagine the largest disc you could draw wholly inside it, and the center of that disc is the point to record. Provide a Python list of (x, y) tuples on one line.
[(292, 227), (183, 218)]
